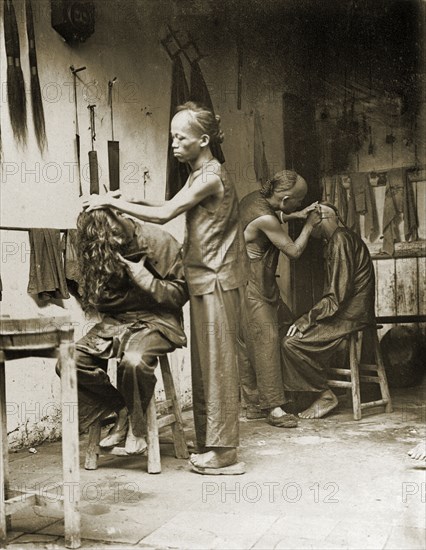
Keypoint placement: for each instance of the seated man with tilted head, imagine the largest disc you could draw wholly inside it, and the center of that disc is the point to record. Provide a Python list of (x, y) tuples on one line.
[(347, 305), (132, 275)]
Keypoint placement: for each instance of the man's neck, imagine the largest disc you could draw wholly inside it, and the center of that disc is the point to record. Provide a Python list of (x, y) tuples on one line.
[(328, 230), (203, 158)]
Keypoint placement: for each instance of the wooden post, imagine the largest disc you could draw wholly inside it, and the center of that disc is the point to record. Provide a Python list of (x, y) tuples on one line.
[(154, 460), (4, 468), (181, 448), (381, 372), (353, 361), (92, 451), (70, 442)]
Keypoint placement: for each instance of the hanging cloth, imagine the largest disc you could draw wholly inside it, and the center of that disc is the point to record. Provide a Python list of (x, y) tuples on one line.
[(16, 97), (411, 221), (352, 219), (200, 94), (36, 99), (365, 203), (341, 199), (177, 172), (72, 272), (260, 163), (393, 208), (371, 221), (47, 276)]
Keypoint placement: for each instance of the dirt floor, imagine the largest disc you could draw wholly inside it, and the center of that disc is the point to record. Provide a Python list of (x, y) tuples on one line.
[(330, 483)]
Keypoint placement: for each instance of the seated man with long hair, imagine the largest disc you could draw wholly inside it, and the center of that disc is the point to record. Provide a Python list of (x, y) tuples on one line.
[(132, 275)]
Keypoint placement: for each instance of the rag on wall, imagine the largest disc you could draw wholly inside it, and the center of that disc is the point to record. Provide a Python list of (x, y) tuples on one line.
[(261, 169), (72, 272), (393, 208), (200, 94), (411, 221), (352, 219), (334, 192), (365, 204), (177, 172), (47, 275)]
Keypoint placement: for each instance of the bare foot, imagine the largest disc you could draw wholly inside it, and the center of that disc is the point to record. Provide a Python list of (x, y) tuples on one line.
[(117, 434), (135, 445), (419, 452), (326, 402), (217, 458)]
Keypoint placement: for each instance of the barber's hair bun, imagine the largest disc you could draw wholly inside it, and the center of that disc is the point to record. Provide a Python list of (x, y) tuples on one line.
[(220, 136), (204, 120)]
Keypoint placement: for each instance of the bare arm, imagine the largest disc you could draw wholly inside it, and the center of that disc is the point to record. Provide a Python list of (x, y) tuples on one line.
[(273, 230), (185, 199), (299, 214)]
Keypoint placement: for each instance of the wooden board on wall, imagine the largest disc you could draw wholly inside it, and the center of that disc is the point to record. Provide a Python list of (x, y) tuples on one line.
[(385, 287), (406, 284), (400, 286), (422, 285)]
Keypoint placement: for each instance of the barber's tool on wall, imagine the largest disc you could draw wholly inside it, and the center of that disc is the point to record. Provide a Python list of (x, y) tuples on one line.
[(16, 98), (113, 146), (93, 155), (36, 99), (77, 131)]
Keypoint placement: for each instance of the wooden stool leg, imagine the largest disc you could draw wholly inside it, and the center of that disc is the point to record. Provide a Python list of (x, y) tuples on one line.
[(4, 462), (70, 443), (92, 451), (181, 448), (381, 372), (152, 438), (353, 361)]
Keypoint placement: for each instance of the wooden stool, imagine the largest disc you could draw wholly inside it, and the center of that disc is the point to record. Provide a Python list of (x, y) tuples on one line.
[(173, 418), (364, 372), (21, 338)]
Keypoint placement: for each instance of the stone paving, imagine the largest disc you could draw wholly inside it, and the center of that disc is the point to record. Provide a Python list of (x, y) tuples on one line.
[(328, 484)]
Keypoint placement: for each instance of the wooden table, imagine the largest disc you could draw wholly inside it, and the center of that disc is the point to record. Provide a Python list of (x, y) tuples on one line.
[(43, 336)]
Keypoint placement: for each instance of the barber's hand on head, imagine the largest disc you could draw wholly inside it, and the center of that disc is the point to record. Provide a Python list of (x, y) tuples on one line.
[(294, 331), (95, 202), (314, 217), (303, 214)]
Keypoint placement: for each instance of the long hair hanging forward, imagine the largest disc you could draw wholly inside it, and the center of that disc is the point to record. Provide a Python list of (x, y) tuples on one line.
[(36, 99), (15, 79)]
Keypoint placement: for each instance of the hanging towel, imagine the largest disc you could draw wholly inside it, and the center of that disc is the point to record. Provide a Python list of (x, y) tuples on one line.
[(411, 221), (200, 94), (393, 208), (72, 273), (1, 290), (326, 183), (177, 172), (359, 181), (47, 276), (365, 203), (371, 222), (260, 163), (340, 199), (352, 219)]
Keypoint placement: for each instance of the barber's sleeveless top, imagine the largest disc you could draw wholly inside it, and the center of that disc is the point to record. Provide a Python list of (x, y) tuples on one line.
[(263, 255), (214, 248)]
